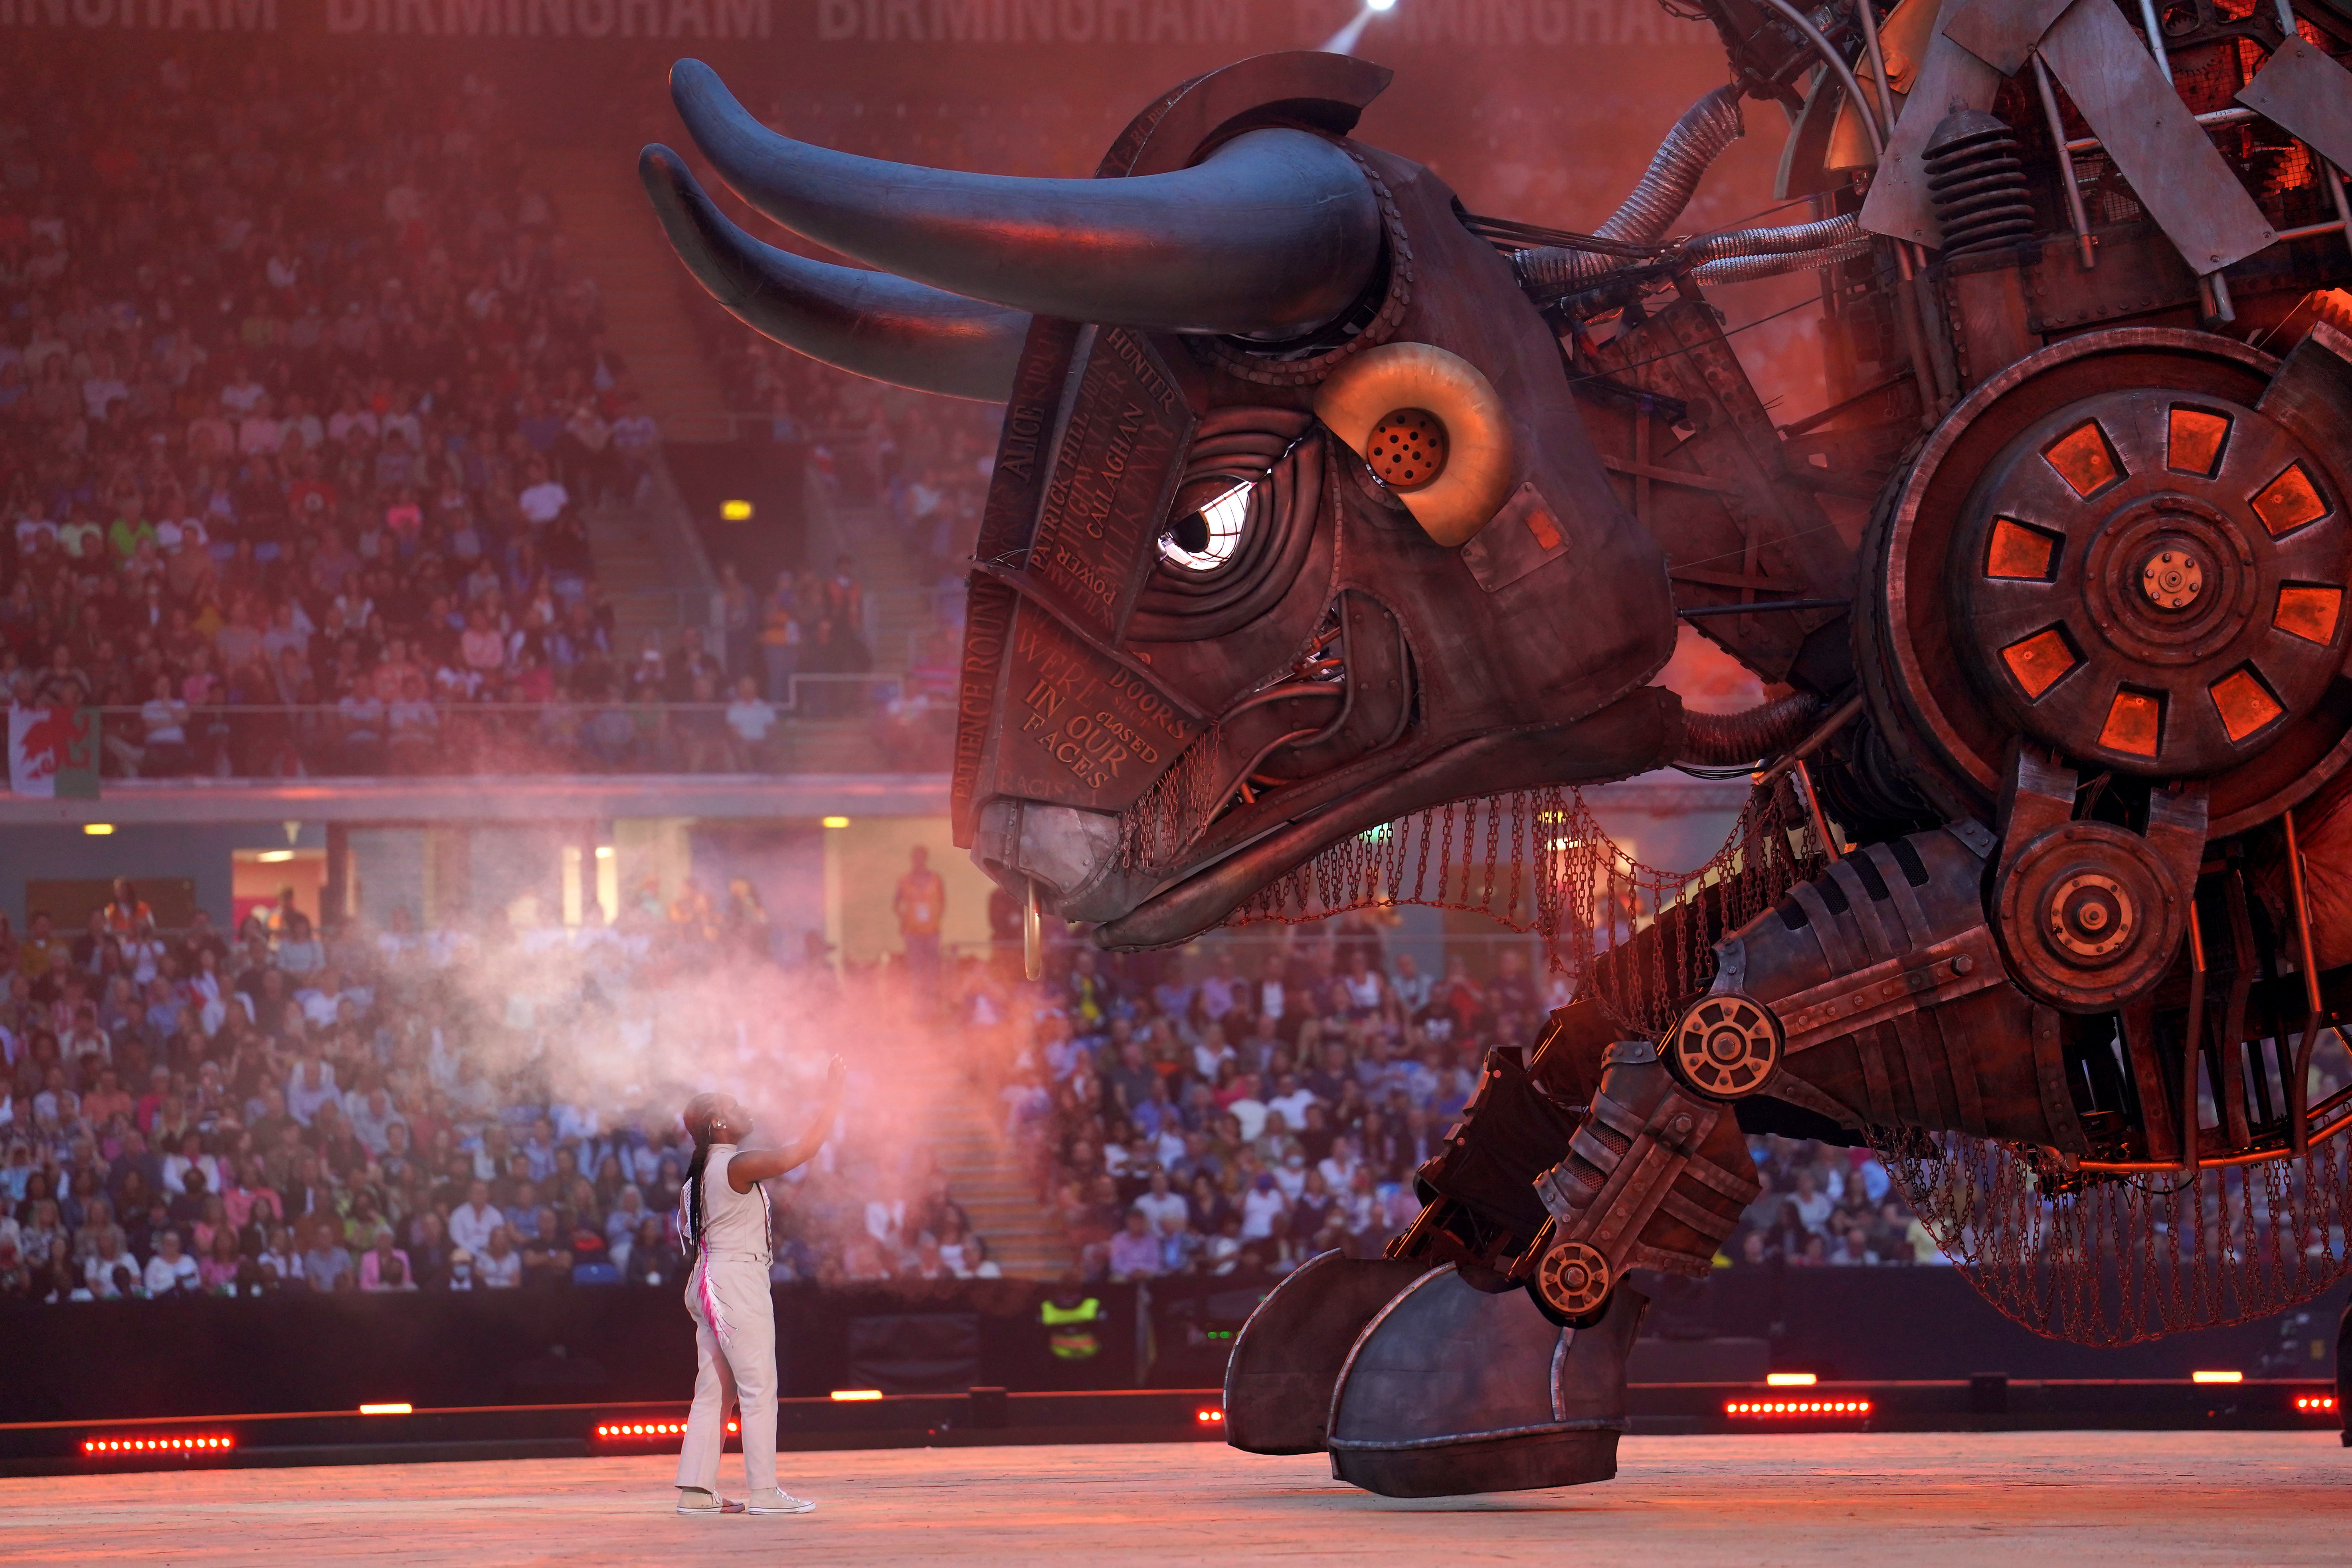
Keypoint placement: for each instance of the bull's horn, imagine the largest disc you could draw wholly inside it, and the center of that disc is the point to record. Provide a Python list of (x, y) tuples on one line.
[(868, 323), (1273, 235)]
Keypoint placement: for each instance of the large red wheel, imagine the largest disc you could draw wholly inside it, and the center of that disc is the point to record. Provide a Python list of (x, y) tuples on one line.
[(2114, 548)]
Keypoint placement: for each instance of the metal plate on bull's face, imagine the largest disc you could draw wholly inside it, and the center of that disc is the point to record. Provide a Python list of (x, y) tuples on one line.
[(1076, 726), (1093, 447), (1524, 535), (1124, 428), (2002, 33)]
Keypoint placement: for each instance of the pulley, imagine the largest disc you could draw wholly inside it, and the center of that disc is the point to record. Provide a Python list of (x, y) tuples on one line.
[(1571, 1283), (1723, 1046)]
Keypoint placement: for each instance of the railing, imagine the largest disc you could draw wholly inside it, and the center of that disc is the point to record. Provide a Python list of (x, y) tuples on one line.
[(665, 608), (829, 723)]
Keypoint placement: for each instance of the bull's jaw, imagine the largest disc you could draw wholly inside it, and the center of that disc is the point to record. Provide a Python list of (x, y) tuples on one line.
[(1071, 857), (1074, 855)]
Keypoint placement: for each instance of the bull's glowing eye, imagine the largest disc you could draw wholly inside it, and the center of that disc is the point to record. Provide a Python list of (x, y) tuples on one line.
[(1205, 540)]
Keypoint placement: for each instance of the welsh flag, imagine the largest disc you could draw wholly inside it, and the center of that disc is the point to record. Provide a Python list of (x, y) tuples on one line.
[(53, 751)]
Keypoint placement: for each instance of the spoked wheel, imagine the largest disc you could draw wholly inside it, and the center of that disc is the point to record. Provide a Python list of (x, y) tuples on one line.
[(1572, 1285)]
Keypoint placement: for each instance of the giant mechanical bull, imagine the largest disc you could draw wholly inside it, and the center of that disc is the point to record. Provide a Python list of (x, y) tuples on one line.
[(1322, 501)]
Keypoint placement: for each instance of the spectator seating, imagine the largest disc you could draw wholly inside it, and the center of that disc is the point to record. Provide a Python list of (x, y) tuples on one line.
[(1247, 1111), (459, 1110)]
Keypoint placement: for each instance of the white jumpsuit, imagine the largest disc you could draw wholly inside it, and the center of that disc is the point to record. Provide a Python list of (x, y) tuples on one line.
[(734, 1332)]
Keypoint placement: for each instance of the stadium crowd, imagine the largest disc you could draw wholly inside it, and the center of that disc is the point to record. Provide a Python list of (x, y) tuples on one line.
[(301, 400), (270, 1108), (1276, 1105)]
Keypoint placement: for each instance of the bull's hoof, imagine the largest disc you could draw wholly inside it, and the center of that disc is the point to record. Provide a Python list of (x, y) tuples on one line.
[(1449, 1390), (1511, 1464), (1287, 1357)]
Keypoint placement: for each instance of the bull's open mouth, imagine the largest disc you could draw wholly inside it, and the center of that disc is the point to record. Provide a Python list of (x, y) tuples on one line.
[(1086, 864)]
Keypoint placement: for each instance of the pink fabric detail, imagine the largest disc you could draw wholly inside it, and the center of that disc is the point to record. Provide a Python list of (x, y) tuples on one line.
[(711, 1313)]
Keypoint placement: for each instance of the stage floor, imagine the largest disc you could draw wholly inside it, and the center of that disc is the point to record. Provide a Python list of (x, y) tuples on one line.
[(2111, 1498)]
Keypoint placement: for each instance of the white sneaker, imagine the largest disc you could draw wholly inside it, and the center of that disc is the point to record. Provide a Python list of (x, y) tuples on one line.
[(695, 1501), (777, 1502)]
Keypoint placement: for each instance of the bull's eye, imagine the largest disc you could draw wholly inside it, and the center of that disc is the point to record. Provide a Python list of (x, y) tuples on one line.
[(1205, 540)]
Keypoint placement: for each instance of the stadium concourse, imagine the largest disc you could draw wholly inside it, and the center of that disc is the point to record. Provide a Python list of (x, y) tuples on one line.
[(1928, 1500)]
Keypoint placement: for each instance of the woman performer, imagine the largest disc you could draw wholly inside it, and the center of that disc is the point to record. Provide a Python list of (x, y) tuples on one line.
[(723, 1224)]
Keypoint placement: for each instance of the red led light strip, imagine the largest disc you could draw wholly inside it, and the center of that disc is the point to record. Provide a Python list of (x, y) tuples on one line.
[(156, 1445), (2314, 1402), (617, 1429), (1797, 1407), (1209, 1417)]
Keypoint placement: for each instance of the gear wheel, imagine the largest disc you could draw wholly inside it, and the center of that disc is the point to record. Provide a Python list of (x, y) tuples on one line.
[(2130, 546), (1572, 1284), (1723, 1046), (2087, 914)]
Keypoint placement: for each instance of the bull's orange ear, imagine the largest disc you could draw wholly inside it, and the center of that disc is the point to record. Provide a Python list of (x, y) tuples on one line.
[(1429, 422)]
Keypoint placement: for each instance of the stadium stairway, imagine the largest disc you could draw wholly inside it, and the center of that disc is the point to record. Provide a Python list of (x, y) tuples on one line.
[(986, 1178), (615, 240), (653, 586), (898, 600), (647, 555)]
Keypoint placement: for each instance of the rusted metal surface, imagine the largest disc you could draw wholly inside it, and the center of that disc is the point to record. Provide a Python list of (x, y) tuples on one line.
[(1991, 319), (1653, 1178), (1927, 977), (2131, 104), (1897, 1007), (2002, 33), (1287, 1357), (1898, 205), (1938, 610), (1449, 1390), (2304, 89), (1712, 486), (2174, 530)]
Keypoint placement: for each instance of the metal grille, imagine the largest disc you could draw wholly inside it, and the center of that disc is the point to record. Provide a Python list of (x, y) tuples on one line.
[(2114, 1260), (1637, 939)]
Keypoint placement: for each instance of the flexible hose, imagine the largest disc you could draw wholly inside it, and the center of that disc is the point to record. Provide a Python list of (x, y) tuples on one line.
[(1745, 268), (1697, 139), (1796, 237), (1725, 740)]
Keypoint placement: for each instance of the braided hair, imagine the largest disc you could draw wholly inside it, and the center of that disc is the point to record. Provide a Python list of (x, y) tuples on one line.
[(702, 1113)]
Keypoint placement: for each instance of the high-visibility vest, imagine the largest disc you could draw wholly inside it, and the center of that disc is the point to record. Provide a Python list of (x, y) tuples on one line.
[(1069, 1332)]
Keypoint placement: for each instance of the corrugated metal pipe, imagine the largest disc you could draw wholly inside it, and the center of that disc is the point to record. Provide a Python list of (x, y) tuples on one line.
[(1785, 241), (1745, 268), (1698, 138), (1727, 739)]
